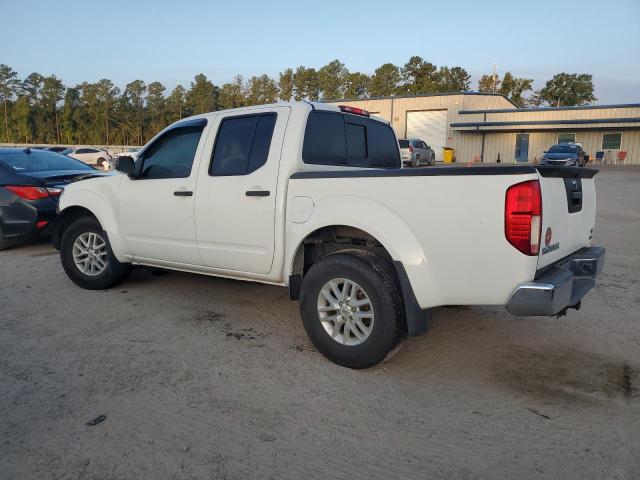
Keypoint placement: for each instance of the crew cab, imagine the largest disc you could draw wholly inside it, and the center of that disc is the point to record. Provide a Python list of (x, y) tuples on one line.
[(313, 197)]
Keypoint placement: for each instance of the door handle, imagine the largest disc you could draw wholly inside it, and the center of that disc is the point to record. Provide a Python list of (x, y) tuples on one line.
[(257, 193), (183, 193)]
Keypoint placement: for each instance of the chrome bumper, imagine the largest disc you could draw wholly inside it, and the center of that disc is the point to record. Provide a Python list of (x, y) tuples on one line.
[(559, 286)]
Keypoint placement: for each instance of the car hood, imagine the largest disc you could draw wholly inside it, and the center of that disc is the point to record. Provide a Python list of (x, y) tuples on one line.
[(59, 178), (560, 155)]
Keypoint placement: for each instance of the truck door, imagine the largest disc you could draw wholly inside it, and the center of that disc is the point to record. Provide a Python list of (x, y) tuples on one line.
[(235, 202), (155, 210)]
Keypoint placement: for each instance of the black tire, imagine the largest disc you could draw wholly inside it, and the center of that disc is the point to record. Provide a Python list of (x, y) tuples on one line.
[(417, 161), (375, 276), (433, 159), (114, 273)]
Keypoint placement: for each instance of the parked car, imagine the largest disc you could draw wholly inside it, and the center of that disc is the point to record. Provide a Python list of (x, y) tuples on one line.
[(129, 152), (311, 196), (415, 152), (56, 149), (97, 157), (30, 184), (565, 154)]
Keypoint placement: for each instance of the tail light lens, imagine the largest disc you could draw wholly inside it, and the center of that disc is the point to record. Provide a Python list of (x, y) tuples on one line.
[(33, 193), (410, 148), (523, 216)]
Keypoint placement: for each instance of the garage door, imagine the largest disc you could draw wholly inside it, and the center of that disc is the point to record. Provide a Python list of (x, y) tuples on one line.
[(430, 126)]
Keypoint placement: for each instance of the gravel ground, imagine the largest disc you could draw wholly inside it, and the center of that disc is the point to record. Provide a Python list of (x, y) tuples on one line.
[(208, 378)]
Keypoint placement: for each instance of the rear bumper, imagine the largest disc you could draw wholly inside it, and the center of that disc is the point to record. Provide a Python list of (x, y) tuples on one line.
[(559, 286)]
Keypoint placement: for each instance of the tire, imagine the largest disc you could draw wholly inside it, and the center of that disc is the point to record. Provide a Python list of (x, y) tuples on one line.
[(378, 285), (416, 161), (110, 274), (433, 159)]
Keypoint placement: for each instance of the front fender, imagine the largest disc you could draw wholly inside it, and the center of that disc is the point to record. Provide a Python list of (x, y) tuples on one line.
[(99, 196), (378, 221)]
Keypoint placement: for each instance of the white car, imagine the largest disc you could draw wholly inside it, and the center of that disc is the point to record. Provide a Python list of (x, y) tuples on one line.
[(312, 197), (96, 157), (129, 152)]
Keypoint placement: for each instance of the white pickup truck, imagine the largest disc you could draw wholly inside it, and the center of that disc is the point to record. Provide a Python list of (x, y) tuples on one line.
[(313, 197)]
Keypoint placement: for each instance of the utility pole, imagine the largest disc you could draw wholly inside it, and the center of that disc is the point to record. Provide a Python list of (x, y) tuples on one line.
[(495, 77)]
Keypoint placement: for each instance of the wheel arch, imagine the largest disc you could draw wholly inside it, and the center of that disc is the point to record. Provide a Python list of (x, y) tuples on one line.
[(325, 240)]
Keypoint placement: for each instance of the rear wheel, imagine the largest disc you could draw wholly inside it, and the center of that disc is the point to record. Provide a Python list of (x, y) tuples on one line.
[(416, 161), (433, 159), (87, 257), (351, 309)]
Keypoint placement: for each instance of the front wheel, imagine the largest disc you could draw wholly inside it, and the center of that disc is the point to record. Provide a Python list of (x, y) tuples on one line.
[(87, 258), (351, 309)]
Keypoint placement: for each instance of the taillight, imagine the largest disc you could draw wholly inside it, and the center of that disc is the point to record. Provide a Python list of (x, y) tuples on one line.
[(523, 216), (33, 193), (410, 149)]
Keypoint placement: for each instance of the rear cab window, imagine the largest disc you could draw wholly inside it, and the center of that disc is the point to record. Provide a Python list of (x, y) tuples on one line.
[(333, 138)]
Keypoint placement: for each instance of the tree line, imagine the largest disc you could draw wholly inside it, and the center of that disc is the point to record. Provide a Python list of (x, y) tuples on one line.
[(41, 109)]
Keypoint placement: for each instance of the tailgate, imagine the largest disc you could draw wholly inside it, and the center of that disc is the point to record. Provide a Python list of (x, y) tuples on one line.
[(568, 211)]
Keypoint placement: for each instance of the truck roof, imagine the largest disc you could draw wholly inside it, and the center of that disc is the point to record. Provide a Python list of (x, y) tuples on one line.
[(294, 105)]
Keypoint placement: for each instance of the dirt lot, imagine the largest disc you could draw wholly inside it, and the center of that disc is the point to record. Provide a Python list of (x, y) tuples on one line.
[(208, 378)]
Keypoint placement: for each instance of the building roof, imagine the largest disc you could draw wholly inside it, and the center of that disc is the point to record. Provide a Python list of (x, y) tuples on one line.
[(415, 95), (551, 109)]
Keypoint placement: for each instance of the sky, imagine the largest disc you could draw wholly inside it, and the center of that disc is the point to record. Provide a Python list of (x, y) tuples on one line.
[(171, 41)]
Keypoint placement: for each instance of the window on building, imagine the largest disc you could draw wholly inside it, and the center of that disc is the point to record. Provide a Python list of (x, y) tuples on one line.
[(243, 144), (348, 140), (566, 138), (611, 141)]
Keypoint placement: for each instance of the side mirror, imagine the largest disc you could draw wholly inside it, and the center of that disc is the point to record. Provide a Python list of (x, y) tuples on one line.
[(126, 165)]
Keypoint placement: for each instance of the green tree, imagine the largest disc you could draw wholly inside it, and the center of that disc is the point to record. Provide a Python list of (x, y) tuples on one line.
[(568, 89), (262, 90), (175, 103), (514, 88), (285, 85), (107, 94), (31, 87), (70, 111), (132, 112), (356, 85), (306, 84), (385, 80), (9, 84), (156, 104), (454, 79), (202, 97), (418, 76), (51, 93), (232, 95), (489, 83), (332, 78), (21, 120)]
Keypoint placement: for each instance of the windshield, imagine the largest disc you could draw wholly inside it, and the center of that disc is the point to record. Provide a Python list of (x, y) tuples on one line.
[(41, 161), (563, 149), (66, 151), (404, 143)]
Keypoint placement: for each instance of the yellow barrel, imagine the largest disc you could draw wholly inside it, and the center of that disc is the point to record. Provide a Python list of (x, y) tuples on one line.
[(448, 154)]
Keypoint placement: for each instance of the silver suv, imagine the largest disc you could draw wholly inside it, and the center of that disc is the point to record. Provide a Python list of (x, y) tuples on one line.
[(415, 152)]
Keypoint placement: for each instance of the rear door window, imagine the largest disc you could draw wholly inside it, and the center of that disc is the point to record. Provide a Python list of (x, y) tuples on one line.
[(242, 145), (349, 140)]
